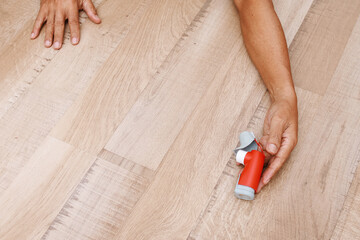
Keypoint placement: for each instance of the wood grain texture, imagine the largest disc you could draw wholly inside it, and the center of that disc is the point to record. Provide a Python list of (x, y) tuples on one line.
[(154, 121), (190, 169), (348, 223), (93, 119), (269, 216), (34, 98), (173, 81), (290, 12), (14, 15), (320, 42), (37, 194), (23, 60), (310, 189), (102, 201), (152, 124)]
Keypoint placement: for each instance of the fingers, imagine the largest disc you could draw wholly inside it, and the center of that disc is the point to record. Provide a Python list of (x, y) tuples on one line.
[(273, 167), (49, 32), (90, 10), (288, 144), (73, 20), (263, 143), (40, 19), (276, 130), (59, 30), (55, 15)]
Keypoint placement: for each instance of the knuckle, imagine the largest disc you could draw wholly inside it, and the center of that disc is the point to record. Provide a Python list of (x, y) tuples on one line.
[(274, 167), (50, 31), (73, 21), (50, 23), (50, 26), (59, 23), (277, 118), (279, 163), (275, 137), (38, 23)]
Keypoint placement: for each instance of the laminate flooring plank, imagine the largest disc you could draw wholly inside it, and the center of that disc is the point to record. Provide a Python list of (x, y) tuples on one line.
[(13, 16), (226, 217), (155, 120), (320, 42), (95, 116), (305, 199), (24, 60), (189, 171), (348, 223), (152, 124), (36, 105), (20, 64), (37, 194), (102, 201), (290, 12)]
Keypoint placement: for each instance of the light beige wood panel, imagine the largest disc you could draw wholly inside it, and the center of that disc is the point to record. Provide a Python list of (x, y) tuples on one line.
[(154, 121), (290, 12), (305, 199), (190, 169), (320, 42), (36, 105), (13, 16), (348, 223), (152, 124), (20, 64), (37, 194), (24, 60), (226, 217), (93, 119), (102, 201), (25, 127)]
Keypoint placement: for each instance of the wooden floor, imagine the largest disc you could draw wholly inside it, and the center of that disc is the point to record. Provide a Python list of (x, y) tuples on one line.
[(129, 135)]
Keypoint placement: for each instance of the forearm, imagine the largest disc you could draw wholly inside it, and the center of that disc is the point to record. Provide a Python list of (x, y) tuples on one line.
[(266, 45)]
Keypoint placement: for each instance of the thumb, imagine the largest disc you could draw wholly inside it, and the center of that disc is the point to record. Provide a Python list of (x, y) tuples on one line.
[(275, 132), (90, 10)]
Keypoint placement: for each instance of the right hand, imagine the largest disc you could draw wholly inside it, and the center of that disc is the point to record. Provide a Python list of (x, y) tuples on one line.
[(55, 13), (280, 136)]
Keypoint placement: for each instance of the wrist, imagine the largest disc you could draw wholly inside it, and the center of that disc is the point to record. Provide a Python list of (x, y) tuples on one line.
[(286, 93)]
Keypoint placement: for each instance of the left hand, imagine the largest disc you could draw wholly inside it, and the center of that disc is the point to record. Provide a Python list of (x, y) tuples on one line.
[(279, 135), (55, 13)]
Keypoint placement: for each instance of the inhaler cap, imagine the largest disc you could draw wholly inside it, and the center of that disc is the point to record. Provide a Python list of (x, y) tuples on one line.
[(247, 142)]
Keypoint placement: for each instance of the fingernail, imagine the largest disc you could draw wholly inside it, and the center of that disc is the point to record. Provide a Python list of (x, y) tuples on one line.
[(272, 148), (97, 17), (47, 43), (32, 35), (74, 40), (57, 45)]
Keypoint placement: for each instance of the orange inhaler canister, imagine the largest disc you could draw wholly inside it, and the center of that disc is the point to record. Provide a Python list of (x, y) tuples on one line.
[(253, 160)]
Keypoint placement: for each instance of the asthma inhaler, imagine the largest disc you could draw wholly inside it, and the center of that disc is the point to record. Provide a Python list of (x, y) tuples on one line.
[(253, 160)]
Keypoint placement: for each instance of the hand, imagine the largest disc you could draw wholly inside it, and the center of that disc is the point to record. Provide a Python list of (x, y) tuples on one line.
[(55, 13), (280, 135)]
